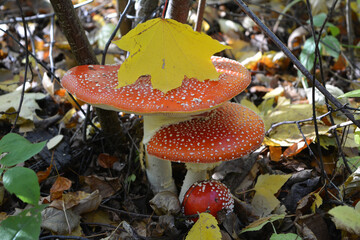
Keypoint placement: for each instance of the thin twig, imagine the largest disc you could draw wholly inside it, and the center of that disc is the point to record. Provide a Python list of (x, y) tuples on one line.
[(340, 125), (304, 138), (26, 66), (138, 215), (295, 122), (51, 47), (317, 56), (30, 53), (121, 19)]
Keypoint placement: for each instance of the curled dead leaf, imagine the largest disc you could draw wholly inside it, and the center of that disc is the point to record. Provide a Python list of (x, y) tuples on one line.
[(60, 185), (42, 175)]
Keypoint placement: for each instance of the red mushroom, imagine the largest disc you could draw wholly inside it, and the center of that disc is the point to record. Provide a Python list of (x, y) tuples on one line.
[(226, 133), (212, 196), (96, 84)]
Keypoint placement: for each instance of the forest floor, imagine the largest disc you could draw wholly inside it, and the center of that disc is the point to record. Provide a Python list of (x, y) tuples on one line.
[(305, 172)]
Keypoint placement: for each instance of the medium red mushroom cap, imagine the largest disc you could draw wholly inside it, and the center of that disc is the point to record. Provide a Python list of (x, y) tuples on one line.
[(210, 196), (226, 133), (96, 84)]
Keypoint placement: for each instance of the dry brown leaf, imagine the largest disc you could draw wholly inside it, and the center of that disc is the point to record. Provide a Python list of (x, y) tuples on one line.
[(340, 64), (165, 203), (106, 161), (59, 221), (89, 203), (107, 186), (329, 163), (312, 226), (42, 175), (69, 200), (61, 184), (296, 148)]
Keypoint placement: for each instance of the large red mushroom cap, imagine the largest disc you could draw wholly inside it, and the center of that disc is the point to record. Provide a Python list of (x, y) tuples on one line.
[(226, 133), (210, 196), (96, 84)]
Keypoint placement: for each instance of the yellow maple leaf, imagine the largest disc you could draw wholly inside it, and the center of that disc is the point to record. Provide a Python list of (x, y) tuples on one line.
[(168, 51), (206, 227)]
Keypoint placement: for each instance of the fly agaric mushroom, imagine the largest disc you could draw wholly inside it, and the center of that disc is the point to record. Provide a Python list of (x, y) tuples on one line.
[(207, 195), (226, 133), (96, 85)]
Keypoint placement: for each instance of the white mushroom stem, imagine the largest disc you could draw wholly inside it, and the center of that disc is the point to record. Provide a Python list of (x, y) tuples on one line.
[(158, 171), (195, 172), (159, 174)]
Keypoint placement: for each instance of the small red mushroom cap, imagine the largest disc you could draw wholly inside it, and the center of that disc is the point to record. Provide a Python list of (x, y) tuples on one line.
[(96, 85), (226, 133), (210, 196)]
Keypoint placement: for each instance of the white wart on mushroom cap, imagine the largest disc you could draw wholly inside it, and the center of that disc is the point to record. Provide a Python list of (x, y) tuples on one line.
[(96, 84), (226, 133)]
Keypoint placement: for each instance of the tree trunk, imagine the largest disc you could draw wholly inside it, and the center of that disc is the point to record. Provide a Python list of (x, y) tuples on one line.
[(144, 9), (178, 10), (84, 55)]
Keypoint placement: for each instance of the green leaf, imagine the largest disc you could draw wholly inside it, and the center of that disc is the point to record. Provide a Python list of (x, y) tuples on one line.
[(307, 60), (355, 93), (309, 46), (357, 135), (23, 182), (285, 236), (18, 149), (334, 30), (25, 226), (131, 178), (331, 45), (258, 224), (346, 218), (307, 55), (318, 20), (353, 162)]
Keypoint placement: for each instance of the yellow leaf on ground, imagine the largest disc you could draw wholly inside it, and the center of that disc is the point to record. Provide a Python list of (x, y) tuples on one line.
[(167, 50), (205, 228), (10, 102), (352, 184), (317, 202), (346, 218), (271, 183), (264, 201), (287, 134)]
